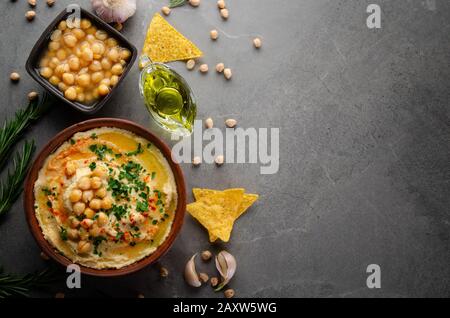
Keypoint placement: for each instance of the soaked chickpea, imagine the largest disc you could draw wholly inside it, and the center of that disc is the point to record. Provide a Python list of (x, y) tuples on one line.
[(95, 66), (74, 63), (70, 40), (101, 35), (68, 78), (53, 46), (97, 77), (85, 24), (114, 80), (84, 63), (117, 69), (46, 72), (54, 80), (84, 247), (103, 90), (83, 80), (73, 234), (106, 64), (79, 34), (70, 93)]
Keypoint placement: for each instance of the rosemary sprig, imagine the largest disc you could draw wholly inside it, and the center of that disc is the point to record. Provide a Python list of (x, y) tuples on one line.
[(19, 286), (11, 189), (176, 3), (13, 128)]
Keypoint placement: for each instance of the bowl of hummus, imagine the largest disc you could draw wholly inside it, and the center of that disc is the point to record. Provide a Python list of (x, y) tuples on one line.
[(105, 194)]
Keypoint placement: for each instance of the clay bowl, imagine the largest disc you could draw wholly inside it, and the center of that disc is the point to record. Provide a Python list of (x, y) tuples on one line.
[(53, 145)]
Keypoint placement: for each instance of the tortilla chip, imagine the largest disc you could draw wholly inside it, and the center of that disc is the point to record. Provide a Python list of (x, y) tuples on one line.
[(164, 43), (247, 202), (217, 212)]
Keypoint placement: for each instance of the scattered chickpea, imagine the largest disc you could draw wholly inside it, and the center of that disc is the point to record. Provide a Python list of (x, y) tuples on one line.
[(221, 4), (32, 3), (219, 160), (163, 272), (231, 123), (59, 295), (214, 281), (227, 73), (203, 277), (257, 42), (194, 3), (50, 3), (84, 183), (32, 96), (165, 10), (71, 168), (229, 293), (118, 26), (30, 15), (87, 223), (103, 90), (46, 72), (83, 247), (73, 234), (70, 93), (14, 76), (214, 34), (74, 223), (44, 256), (75, 195), (204, 68), (96, 183), (220, 67), (209, 123), (224, 13), (206, 255), (190, 64), (196, 161)]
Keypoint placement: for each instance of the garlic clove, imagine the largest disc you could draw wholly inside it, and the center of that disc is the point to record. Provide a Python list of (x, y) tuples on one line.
[(114, 10), (190, 273), (226, 265)]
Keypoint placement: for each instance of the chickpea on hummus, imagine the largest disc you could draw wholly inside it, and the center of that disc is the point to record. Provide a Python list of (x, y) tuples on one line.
[(106, 198)]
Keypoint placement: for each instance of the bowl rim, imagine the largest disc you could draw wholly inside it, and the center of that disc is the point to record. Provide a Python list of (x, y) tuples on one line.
[(40, 45), (53, 145)]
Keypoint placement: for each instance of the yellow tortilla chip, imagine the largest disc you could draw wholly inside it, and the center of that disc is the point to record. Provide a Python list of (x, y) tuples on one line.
[(247, 202), (164, 43), (217, 212)]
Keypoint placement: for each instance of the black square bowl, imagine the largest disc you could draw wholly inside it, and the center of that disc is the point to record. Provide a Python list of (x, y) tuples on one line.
[(32, 65)]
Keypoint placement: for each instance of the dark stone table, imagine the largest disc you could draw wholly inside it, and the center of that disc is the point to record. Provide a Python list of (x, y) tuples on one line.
[(364, 125)]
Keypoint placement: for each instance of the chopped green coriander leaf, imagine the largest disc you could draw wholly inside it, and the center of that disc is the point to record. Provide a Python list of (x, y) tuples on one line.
[(154, 222), (149, 145), (94, 136), (47, 191), (49, 204), (119, 211), (92, 166), (96, 242), (142, 206), (72, 141), (132, 243), (63, 234), (153, 175), (143, 195), (118, 155), (166, 215)]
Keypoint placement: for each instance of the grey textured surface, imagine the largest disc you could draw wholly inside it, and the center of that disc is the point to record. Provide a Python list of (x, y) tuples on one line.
[(364, 146)]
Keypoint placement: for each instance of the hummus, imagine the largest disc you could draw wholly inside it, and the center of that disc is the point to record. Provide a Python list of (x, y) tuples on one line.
[(106, 198)]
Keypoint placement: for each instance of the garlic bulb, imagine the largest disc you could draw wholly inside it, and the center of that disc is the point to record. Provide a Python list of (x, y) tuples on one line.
[(226, 265), (114, 10), (190, 273)]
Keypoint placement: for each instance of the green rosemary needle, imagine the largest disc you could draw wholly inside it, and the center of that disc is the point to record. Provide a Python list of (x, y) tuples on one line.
[(11, 189), (13, 128), (19, 286)]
